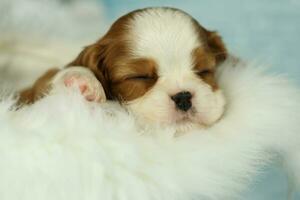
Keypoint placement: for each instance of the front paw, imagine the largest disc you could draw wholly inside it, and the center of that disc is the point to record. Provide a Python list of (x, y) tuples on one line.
[(82, 79)]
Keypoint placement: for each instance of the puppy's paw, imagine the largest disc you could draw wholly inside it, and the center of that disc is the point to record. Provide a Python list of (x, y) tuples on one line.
[(82, 79)]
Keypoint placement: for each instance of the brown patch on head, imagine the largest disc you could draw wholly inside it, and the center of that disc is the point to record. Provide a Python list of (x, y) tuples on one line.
[(101, 56), (211, 42), (216, 46), (205, 66), (109, 58), (207, 57), (132, 79)]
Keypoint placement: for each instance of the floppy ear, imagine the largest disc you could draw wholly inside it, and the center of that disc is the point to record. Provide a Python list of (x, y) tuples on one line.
[(93, 57), (216, 46)]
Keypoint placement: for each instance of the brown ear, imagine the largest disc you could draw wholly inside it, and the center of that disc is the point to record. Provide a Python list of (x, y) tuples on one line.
[(216, 46), (89, 57), (92, 57)]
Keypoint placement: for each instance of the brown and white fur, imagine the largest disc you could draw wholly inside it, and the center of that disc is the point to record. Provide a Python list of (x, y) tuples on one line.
[(146, 58), (149, 60)]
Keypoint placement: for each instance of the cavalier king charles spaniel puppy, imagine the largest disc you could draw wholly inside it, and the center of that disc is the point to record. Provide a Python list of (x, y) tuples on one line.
[(159, 63)]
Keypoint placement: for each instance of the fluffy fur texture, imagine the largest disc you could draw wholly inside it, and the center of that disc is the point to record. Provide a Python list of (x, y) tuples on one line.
[(81, 150)]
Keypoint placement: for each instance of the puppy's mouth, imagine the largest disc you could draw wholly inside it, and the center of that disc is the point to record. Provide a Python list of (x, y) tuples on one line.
[(187, 121), (186, 117), (183, 118)]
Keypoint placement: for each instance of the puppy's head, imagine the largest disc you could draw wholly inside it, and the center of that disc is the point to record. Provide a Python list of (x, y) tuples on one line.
[(160, 63)]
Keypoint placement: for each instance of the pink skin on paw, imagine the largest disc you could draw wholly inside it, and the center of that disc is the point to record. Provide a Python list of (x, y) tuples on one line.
[(83, 87)]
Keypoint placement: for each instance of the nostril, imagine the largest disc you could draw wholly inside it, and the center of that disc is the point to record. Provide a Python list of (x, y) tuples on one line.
[(186, 95), (181, 96), (183, 100)]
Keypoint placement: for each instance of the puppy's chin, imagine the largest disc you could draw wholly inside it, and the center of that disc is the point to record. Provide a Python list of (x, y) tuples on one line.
[(185, 126)]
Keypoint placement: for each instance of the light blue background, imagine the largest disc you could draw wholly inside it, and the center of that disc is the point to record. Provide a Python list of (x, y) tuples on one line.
[(267, 31)]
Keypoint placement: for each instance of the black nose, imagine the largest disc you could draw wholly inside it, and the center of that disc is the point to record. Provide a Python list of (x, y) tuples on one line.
[(183, 100)]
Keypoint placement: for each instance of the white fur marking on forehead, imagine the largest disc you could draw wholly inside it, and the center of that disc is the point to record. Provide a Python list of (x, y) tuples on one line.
[(166, 35)]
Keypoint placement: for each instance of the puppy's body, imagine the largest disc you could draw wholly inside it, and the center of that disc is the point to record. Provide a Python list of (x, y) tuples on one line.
[(158, 59)]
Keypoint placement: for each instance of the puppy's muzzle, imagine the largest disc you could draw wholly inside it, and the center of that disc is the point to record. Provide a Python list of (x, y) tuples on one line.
[(183, 100)]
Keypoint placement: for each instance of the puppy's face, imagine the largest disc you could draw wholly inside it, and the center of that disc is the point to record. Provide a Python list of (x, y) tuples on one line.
[(160, 63)]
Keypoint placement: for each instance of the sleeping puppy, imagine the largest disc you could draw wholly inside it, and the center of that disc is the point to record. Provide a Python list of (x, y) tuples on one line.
[(159, 63)]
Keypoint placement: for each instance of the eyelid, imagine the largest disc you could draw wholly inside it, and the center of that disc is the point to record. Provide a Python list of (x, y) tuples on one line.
[(141, 77), (204, 72)]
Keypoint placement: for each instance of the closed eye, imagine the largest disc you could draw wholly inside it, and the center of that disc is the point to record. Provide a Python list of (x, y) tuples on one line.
[(141, 77), (204, 73)]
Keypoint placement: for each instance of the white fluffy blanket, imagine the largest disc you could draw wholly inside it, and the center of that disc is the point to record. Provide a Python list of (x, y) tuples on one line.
[(63, 148)]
